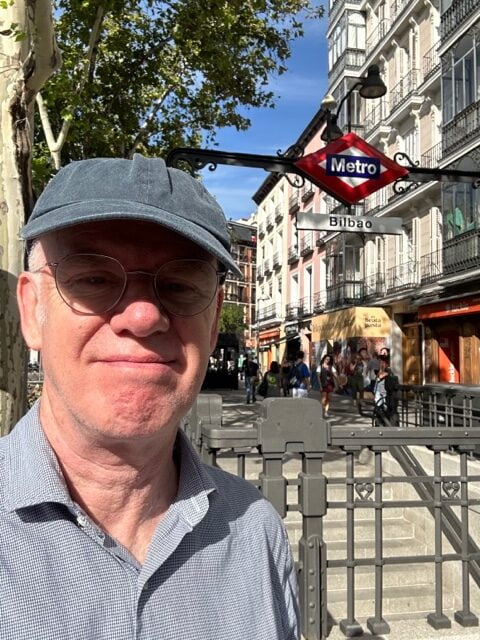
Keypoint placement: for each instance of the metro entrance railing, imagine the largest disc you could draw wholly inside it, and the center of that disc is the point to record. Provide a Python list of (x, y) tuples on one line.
[(438, 421)]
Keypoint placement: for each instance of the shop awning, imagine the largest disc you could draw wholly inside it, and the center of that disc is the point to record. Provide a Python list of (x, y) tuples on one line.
[(455, 307), (355, 322)]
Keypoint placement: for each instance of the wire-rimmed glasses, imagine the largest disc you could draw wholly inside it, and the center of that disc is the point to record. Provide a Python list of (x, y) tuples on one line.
[(92, 284)]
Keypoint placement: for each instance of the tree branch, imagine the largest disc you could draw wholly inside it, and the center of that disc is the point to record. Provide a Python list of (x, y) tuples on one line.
[(55, 146), (45, 57)]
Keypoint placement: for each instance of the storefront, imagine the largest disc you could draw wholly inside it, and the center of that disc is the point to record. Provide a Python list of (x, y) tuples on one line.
[(452, 340), (267, 341), (343, 333)]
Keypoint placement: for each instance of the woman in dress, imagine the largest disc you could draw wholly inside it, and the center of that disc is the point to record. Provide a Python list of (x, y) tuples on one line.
[(326, 376)]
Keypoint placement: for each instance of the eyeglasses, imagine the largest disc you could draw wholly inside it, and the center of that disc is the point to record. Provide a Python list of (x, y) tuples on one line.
[(93, 284)]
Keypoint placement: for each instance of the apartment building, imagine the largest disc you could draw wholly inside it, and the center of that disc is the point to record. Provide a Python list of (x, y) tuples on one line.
[(289, 261), (241, 290), (391, 273)]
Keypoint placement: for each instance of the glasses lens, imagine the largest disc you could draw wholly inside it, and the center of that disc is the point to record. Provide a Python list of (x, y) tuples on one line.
[(90, 283), (186, 287)]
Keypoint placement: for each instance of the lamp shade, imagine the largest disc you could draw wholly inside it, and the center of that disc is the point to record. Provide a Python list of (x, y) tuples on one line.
[(373, 86), (331, 131)]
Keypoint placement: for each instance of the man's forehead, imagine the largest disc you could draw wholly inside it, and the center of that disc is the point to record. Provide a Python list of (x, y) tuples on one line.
[(113, 235)]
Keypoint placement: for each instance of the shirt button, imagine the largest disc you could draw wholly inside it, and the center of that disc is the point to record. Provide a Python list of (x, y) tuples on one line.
[(82, 521)]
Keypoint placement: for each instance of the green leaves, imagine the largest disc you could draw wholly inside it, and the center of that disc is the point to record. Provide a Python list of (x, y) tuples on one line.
[(166, 74), (231, 319)]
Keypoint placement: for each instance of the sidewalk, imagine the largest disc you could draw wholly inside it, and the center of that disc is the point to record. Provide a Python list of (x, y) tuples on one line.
[(236, 412)]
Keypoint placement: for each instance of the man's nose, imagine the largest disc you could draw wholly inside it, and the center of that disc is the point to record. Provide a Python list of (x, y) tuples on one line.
[(139, 312)]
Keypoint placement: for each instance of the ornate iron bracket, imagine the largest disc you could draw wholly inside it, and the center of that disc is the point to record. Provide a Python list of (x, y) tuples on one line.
[(431, 174)]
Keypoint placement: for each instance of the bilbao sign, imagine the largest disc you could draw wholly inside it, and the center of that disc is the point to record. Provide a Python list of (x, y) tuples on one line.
[(350, 169)]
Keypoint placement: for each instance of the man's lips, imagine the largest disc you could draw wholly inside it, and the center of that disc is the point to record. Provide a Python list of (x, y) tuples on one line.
[(136, 360)]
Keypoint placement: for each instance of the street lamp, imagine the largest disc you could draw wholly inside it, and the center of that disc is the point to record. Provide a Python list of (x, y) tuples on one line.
[(370, 87)]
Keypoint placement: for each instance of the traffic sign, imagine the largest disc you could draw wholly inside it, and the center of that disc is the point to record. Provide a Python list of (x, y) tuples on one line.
[(351, 169)]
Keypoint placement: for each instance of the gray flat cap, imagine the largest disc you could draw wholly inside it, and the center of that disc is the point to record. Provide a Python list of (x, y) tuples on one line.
[(138, 189)]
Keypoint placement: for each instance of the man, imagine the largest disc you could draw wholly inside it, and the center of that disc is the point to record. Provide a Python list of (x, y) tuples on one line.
[(111, 527), (250, 369), (300, 377)]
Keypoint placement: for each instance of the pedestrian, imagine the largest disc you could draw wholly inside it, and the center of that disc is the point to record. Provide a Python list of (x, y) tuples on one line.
[(111, 525), (326, 375), (357, 369), (250, 369), (270, 387), (300, 377), (373, 366)]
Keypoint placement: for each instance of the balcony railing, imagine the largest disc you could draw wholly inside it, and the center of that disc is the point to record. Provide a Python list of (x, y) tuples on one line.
[(291, 311), (431, 62), (375, 116), (278, 213), (431, 267), (269, 312), (396, 8), (376, 202), (319, 301), (307, 244), (292, 255), (261, 230), (277, 259), (464, 126), (462, 252), (267, 266), (403, 88), (270, 222), (293, 203), (456, 14), (337, 6), (375, 286), (402, 277), (305, 306), (345, 293), (377, 35), (350, 59), (431, 158), (307, 193), (344, 210)]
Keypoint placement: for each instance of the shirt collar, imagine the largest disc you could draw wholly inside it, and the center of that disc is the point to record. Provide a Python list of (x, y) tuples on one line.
[(34, 476)]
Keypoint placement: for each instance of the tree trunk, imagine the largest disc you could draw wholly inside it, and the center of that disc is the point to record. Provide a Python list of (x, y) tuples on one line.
[(27, 61)]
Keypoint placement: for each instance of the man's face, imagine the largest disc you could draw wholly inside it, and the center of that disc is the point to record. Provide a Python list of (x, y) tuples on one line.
[(134, 370)]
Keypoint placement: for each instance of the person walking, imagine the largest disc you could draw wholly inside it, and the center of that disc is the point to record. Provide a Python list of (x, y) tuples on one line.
[(286, 375), (300, 379), (250, 368), (357, 380), (326, 375), (271, 381)]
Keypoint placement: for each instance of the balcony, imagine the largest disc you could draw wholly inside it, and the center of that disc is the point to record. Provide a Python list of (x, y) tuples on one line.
[(402, 277), (375, 286), (270, 222), (269, 312), (319, 301), (349, 60), (267, 267), (458, 12), (344, 294), (375, 117), (260, 272), (431, 267), (431, 62), (462, 253), (305, 307), (278, 213), (306, 244), (396, 8), (464, 126), (375, 203), (404, 88), (377, 35), (307, 193), (277, 259), (293, 203), (337, 6), (292, 255), (431, 158), (261, 230), (291, 311), (344, 210)]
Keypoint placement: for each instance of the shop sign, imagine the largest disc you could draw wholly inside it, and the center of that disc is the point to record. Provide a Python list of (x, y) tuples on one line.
[(355, 322), (350, 169), (457, 307), (358, 224), (291, 329)]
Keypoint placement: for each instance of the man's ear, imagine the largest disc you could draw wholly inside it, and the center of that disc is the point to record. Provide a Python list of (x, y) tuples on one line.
[(30, 307), (216, 320)]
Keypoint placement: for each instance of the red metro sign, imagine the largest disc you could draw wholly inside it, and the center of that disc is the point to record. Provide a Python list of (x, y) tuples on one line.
[(350, 169)]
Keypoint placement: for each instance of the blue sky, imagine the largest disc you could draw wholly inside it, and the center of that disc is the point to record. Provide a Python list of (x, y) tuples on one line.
[(300, 91)]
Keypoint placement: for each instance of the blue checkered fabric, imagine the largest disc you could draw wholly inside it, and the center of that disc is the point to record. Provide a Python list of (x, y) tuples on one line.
[(218, 568)]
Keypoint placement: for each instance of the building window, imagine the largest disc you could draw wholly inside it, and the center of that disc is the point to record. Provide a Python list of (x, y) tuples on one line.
[(461, 77), (460, 203)]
